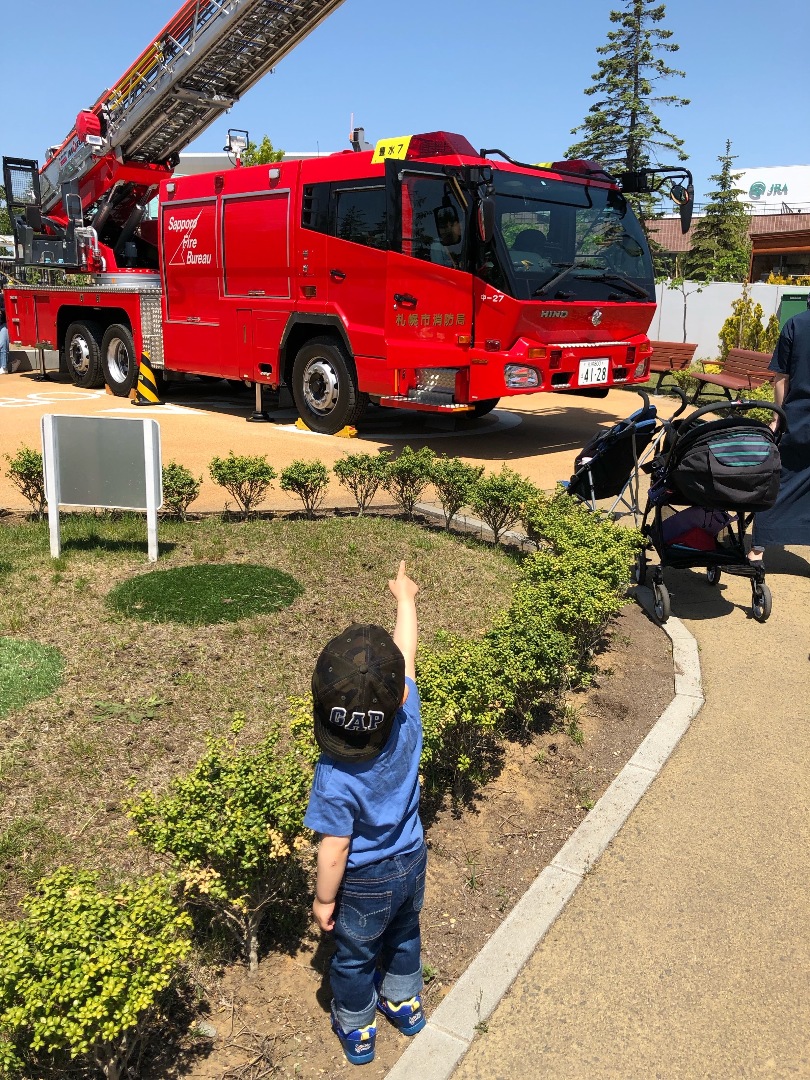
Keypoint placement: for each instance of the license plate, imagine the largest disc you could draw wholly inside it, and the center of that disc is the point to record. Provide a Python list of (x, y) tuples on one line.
[(593, 372)]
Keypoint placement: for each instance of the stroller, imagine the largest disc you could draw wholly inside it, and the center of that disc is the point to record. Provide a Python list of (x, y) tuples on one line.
[(608, 466), (707, 482)]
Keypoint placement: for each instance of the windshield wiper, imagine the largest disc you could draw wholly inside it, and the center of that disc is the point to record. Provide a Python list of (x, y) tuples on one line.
[(626, 284), (566, 269)]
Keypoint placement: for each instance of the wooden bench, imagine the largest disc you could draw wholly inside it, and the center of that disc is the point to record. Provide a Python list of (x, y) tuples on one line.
[(669, 356), (742, 370)]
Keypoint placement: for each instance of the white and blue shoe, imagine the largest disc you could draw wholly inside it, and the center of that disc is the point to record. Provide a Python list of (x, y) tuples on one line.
[(358, 1045)]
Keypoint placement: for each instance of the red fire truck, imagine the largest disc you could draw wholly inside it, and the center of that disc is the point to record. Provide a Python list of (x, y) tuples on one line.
[(422, 275)]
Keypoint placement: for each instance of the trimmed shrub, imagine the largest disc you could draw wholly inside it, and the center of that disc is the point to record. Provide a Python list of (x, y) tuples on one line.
[(407, 476), (454, 481), (26, 473), (246, 478), (180, 489), (309, 481), (82, 972), (499, 500), (362, 474), (233, 829)]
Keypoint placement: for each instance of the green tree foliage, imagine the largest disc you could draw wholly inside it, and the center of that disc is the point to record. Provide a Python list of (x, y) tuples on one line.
[(246, 478), (26, 473), (454, 481), (407, 476), (233, 827), (81, 972), (721, 248), (744, 329), (5, 219), (308, 480), (263, 154), (499, 500), (621, 129), (180, 489), (363, 475)]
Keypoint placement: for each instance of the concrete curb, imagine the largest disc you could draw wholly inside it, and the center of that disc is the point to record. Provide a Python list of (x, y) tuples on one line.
[(451, 1028)]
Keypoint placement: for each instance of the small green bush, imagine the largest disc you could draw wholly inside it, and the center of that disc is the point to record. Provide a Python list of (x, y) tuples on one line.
[(309, 481), (246, 478), (407, 476), (180, 489), (499, 500), (233, 827), (762, 393), (81, 973), (27, 474), (362, 474), (454, 481), (28, 671)]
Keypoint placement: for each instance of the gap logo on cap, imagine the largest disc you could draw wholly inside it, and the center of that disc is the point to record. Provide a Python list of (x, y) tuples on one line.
[(358, 721)]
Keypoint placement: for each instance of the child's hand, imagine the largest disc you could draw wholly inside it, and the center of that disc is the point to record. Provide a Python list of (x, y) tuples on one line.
[(324, 915), (402, 586)]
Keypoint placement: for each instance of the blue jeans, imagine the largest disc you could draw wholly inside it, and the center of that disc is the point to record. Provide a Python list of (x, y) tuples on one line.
[(378, 919), (3, 348)]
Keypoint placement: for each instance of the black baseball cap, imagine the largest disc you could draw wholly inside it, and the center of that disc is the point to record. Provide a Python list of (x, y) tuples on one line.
[(357, 687)]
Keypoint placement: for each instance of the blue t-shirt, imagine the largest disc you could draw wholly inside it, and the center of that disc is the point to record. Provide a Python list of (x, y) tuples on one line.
[(374, 802)]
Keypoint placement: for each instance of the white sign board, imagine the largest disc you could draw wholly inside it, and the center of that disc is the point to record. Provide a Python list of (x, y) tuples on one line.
[(91, 461), (766, 190)]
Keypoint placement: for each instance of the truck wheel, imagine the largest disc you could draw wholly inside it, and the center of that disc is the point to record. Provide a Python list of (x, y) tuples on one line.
[(119, 360), (324, 387), (481, 408), (83, 355)]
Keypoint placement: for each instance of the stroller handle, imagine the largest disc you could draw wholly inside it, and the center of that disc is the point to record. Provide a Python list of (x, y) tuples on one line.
[(735, 406), (675, 390)]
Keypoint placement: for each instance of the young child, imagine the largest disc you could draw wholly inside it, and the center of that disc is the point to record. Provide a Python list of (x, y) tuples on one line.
[(365, 802)]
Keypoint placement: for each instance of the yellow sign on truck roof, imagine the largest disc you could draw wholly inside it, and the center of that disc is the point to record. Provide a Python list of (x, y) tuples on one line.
[(396, 149)]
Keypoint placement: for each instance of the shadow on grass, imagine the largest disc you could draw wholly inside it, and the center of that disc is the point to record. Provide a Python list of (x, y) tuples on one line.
[(106, 543)]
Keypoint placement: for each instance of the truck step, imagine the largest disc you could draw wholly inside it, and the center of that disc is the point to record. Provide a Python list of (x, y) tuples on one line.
[(425, 403)]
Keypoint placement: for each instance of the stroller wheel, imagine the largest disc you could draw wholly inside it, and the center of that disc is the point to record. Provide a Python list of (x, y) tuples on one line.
[(713, 574), (761, 601), (661, 601), (640, 568)]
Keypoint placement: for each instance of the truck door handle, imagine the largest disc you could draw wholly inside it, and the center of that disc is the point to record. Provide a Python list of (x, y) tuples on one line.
[(338, 275), (405, 299)]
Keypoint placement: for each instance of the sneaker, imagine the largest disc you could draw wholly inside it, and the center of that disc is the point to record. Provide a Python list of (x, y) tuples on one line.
[(358, 1045), (406, 1016)]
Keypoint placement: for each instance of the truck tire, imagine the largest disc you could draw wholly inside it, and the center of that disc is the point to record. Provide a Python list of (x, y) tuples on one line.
[(324, 387), (83, 355), (119, 360), (481, 408)]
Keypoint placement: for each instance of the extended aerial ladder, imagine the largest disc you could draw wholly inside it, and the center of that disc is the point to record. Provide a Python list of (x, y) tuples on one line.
[(95, 185)]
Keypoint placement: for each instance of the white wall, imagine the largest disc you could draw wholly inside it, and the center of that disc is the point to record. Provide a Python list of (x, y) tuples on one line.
[(706, 311)]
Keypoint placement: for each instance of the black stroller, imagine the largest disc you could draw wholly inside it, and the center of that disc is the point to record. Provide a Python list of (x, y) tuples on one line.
[(707, 482), (608, 466)]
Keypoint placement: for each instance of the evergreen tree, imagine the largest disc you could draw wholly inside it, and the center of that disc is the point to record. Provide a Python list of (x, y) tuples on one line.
[(621, 130), (721, 248)]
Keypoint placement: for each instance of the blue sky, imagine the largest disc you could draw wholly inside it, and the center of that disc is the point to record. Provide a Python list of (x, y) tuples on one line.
[(508, 75)]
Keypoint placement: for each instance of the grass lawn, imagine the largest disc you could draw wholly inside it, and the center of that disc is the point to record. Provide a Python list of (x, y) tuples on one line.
[(136, 697)]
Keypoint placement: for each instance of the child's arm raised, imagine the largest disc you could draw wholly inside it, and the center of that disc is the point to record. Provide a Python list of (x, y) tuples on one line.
[(333, 852), (406, 630)]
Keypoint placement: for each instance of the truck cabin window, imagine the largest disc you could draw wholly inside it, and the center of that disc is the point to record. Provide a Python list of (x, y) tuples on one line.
[(434, 226), (360, 216), (567, 241)]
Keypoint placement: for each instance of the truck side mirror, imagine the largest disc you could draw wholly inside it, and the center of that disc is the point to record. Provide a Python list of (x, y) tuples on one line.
[(486, 218), (685, 198)]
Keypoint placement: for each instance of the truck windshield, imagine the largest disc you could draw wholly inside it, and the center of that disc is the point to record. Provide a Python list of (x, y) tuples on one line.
[(568, 241)]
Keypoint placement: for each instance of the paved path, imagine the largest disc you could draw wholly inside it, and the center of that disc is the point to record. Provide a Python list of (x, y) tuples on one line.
[(685, 953)]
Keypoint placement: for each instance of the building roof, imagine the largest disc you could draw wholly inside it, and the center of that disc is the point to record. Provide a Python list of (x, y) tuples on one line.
[(787, 230)]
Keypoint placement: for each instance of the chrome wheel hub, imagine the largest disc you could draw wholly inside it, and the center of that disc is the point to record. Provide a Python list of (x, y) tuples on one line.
[(321, 386)]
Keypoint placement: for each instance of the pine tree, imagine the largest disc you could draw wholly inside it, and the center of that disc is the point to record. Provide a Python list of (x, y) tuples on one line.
[(621, 130), (721, 248)]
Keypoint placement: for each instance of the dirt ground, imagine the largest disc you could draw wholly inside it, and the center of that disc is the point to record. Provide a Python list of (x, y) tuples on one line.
[(275, 1022)]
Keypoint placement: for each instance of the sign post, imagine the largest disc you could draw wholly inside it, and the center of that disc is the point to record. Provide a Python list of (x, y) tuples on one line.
[(89, 461)]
